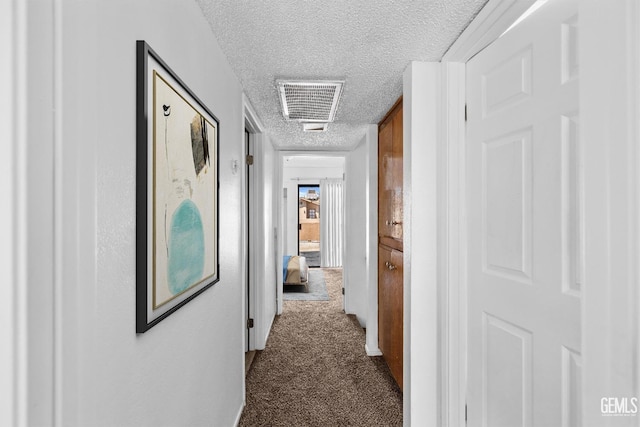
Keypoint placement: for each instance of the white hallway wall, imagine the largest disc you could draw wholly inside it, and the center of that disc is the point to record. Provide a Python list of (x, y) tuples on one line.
[(356, 253), (187, 370)]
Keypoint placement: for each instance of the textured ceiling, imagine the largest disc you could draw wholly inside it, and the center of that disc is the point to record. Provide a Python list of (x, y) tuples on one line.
[(368, 43), (314, 161)]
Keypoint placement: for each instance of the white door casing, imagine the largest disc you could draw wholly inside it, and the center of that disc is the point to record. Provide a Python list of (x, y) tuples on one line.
[(253, 254), (525, 256)]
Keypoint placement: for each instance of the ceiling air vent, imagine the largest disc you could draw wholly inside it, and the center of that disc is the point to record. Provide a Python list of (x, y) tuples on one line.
[(309, 101), (314, 127)]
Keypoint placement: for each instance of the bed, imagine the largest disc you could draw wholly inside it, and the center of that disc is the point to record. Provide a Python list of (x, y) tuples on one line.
[(295, 270)]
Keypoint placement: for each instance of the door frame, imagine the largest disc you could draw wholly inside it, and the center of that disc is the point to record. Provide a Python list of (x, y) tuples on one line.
[(33, 228), (610, 50), (249, 239), (250, 227), (495, 18), (435, 308), (282, 218)]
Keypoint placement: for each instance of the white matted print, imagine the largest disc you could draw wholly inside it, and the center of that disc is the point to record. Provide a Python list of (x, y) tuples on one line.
[(181, 201)]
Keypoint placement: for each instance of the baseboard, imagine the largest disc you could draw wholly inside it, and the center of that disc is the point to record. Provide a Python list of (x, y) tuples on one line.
[(372, 351), (263, 344), (239, 414)]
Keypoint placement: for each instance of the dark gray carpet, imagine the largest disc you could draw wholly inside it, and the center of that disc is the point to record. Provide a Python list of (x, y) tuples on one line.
[(315, 372), (317, 289), (313, 258)]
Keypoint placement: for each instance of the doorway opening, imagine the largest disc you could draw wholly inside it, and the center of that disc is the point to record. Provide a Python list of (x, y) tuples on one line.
[(249, 345), (248, 176), (311, 238), (309, 223)]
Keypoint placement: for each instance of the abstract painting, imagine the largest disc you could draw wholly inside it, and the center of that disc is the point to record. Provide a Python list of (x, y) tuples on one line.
[(177, 211)]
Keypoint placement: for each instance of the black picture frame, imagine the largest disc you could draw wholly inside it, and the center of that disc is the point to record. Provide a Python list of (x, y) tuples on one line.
[(177, 192)]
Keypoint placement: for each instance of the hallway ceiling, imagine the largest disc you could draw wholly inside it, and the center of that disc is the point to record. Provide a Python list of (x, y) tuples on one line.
[(367, 43)]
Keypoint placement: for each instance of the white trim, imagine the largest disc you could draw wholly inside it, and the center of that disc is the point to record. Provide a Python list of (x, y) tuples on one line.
[(261, 232), (237, 420), (27, 185), (609, 138), (254, 252), (421, 175), (255, 257), (372, 351), (346, 303), (610, 52), (248, 231), (265, 333), (32, 201), (371, 345), (493, 20), (251, 117), (20, 104), (60, 332), (453, 290), (9, 332), (281, 209)]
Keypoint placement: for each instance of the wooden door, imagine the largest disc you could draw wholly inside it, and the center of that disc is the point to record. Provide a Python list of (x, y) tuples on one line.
[(524, 215), (385, 144), (390, 310), (390, 179), (390, 281)]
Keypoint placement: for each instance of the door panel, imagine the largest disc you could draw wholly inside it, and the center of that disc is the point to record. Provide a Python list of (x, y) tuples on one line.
[(395, 228), (390, 267), (385, 177), (390, 309), (390, 205), (524, 224), (384, 315)]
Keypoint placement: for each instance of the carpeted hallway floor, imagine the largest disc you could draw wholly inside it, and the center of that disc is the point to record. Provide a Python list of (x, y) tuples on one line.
[(315, 372)]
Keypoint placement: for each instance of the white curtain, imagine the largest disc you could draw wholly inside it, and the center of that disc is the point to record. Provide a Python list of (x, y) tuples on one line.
[(331, 222)]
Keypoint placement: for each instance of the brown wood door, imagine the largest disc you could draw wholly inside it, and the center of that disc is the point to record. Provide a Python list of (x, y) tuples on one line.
[(390, 281), (385, 176), (395, 228), (390, 179), (390, 309)]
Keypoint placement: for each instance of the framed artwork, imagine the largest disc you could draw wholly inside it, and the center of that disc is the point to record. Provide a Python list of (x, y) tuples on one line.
[(176, 192)]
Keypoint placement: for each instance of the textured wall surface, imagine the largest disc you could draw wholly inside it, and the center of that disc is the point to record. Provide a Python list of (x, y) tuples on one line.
[(188, 369), (368, 43)]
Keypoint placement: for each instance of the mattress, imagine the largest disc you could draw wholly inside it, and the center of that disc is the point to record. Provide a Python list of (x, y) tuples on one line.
[(295, 270)]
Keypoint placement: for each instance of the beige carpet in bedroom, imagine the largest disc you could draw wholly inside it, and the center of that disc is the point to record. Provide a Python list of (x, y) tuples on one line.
[(315, 372)]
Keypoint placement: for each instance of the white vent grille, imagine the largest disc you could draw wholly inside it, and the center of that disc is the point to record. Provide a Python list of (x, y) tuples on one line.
[(314, 127), (309, 101)]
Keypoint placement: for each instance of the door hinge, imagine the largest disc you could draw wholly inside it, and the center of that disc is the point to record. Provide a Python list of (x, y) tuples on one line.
[(342, 291), (465, 414), (249, 159), (249, 323), (465, 112)]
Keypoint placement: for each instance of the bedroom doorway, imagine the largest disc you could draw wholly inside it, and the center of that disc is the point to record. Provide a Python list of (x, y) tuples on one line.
[(308, 182), (309, 223)]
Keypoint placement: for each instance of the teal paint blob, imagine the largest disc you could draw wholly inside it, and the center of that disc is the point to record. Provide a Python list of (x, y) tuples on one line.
[(186, 248)]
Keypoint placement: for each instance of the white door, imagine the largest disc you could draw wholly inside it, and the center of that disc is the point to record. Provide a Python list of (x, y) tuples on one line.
[(524, 216)]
